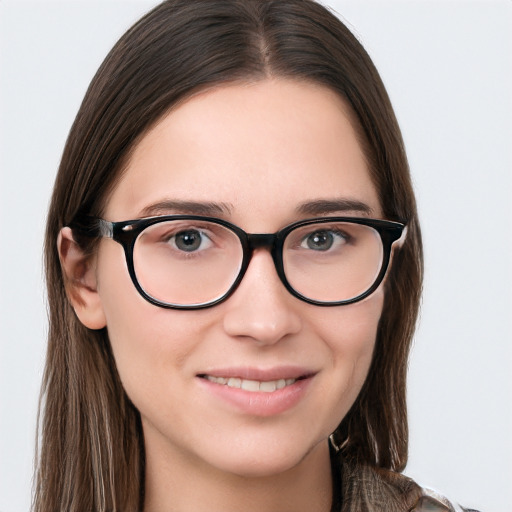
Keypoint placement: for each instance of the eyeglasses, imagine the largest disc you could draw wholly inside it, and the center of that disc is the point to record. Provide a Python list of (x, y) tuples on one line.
[(192, 262)]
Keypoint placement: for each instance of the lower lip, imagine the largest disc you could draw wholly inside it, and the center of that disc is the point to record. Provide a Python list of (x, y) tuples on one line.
[(259, 403)]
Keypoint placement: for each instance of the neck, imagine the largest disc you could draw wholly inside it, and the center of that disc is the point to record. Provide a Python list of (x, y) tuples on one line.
[(182, 484)]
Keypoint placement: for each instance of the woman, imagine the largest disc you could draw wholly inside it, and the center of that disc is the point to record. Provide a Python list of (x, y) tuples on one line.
[(207, 346)]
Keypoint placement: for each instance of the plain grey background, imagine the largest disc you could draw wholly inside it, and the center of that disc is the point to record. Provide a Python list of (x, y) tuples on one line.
[(448, 69)]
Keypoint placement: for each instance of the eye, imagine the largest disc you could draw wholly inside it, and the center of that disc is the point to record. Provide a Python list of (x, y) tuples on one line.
[(323, 240), (190, 240)]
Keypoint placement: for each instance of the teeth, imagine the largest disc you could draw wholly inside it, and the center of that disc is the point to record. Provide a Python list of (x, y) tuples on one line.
[(234, 382), (268, 387), (252, 385)]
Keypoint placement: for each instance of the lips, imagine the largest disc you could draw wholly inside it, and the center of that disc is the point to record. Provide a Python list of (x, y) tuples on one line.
[(267, 386), (258, 392)]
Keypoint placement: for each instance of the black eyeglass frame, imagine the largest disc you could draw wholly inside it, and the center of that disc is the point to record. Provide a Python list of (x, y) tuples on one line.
[(126, 232)]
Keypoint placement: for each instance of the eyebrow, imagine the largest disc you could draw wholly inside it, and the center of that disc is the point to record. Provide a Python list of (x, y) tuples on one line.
[(316, 207), (168, 206), (329, 206)]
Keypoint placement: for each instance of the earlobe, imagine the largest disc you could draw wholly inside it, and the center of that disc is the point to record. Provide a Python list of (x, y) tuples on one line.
[(80, 281)]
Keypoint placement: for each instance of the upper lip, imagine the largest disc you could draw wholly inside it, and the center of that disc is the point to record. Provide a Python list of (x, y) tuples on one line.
[(260, 374)]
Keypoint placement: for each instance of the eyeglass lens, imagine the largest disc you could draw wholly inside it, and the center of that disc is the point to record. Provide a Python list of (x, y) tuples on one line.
[(332, 262), (191, 262)]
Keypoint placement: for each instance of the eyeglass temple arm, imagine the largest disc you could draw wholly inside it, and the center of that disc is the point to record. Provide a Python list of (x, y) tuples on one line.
[(93, 227), (402, 238), (105, 228)]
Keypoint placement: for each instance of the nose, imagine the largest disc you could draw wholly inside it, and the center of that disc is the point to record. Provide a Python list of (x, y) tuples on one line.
[(261, 308)]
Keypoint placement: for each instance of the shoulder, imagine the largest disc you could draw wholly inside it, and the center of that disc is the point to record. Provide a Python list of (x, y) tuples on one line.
[(431, 501), (370, 489)]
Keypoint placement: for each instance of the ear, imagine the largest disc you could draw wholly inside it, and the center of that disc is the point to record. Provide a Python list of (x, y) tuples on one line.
[(80, 280)]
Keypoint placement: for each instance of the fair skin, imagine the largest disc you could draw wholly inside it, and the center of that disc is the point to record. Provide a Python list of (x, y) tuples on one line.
[(260, 151)]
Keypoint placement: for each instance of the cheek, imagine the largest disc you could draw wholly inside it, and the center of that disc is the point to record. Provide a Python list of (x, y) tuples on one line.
[(350, 336), (350, 331), (146, 340)]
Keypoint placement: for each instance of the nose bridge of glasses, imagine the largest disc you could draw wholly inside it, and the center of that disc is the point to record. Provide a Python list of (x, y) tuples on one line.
[(261, 240), (271, 242), (265, 241)]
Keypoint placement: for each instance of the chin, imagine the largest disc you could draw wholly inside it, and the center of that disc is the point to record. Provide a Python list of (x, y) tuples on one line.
[(264, 459)]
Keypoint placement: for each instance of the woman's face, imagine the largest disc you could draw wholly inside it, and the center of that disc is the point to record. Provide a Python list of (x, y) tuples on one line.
[(261, 156)]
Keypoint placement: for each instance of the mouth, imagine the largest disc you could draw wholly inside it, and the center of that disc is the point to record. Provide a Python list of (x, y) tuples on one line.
[(256, 391), (265, 386)]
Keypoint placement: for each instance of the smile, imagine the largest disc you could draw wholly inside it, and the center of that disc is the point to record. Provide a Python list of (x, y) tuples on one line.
[(257, 392), (251, 385)]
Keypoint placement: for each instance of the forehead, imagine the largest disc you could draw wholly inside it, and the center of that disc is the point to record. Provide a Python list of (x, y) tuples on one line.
[(261, 149)]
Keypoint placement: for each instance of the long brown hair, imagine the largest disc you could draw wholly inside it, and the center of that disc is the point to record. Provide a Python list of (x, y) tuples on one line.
[(91, 453)]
